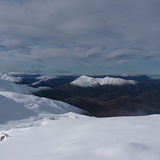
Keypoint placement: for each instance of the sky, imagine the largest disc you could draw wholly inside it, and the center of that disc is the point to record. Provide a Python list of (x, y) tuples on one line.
[(56, 37)]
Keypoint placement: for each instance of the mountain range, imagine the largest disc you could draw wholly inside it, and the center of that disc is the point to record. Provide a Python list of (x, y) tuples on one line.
[(39, 128), (108, 96), (100, 96)]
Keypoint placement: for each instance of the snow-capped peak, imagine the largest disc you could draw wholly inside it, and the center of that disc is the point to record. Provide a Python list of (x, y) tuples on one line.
[(85, 81), (115, 81), (7, 77), (43, 78)]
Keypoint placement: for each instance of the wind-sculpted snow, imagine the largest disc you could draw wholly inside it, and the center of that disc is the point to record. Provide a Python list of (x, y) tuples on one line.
[(20, 106), (10, 86), (85, 81), (41, 105), (7, 77), (13, 87), (10, 110), (123, 138)]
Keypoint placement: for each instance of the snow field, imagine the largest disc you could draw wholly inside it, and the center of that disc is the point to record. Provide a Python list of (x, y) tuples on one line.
[(16, 106), (123, 138)]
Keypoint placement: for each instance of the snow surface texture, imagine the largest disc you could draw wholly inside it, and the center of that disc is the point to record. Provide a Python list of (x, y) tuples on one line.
[(7, 77), (77, 138), (10, 110), (43, 78), (85, 81), (12, 87), (19, 106)]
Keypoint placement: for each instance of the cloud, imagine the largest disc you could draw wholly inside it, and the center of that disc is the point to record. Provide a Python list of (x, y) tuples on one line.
[(136, 48), (86, 32), (9, 68), (62, 72), (38, 71), (13, 44), (39, 60)]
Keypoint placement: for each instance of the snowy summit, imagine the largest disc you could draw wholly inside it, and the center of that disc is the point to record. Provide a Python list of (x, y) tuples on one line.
[(85, 81)]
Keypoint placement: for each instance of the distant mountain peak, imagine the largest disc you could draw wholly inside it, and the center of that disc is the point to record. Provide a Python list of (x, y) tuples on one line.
[(86, 81), (43, 78)]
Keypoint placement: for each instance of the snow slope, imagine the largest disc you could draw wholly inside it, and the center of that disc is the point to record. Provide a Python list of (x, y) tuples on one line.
[(7, 77), (16, 106), (10, 86), (13, 87), (40, 105), (121, 138), (43, 78), (17, 102), (10, 110), (85, 81)]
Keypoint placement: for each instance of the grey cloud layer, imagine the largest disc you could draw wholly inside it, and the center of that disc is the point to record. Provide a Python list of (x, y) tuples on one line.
[(95, 30)]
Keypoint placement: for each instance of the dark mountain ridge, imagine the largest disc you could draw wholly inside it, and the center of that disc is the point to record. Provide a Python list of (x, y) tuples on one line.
[(109, 100)]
